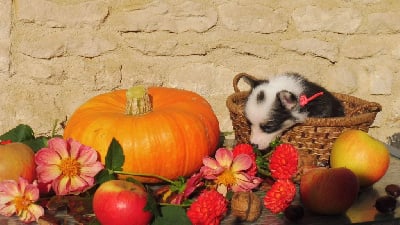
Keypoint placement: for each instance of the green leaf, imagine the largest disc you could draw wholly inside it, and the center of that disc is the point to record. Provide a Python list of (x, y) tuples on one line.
[(133, 180), (152, 205), (178, 185), (105, 175), (115, 157), (172, 215), (37, 143), (20, 133)]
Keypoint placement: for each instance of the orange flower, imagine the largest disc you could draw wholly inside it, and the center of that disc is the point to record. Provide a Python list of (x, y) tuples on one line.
[(209, 208), (280, 196), (283, 162)]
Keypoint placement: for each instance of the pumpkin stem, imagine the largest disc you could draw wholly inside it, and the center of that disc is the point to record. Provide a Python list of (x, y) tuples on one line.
[(138, 101), (144, 175)]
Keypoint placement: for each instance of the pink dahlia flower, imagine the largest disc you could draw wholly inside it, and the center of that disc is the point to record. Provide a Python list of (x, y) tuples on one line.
[(230, 173), (68, 166), (18, 198)]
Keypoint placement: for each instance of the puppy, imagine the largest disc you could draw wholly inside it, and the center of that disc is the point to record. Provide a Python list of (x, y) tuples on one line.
[(277, 104)]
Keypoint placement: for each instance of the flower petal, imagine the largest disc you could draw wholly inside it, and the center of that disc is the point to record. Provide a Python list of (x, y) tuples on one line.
[(32, 193), (222, 189), (47, 174), (78, 185), (241, 162), (32, 213), (61, 185), (224, 157), (91, 170), (244, 182), (87, 156), (74, 148), (47, 156), (9, 187), (8, 210), (211, 163), (5, 198), (59, 145)]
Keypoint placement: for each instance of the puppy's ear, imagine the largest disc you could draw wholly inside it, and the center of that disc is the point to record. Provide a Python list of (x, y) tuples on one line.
[(253, 82), (288, 99)]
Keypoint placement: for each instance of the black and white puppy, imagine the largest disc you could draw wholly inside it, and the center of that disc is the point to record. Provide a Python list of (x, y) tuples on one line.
[(277, 104)]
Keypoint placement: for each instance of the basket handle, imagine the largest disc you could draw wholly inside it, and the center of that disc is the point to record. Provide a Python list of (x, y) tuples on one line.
[(237, 78)]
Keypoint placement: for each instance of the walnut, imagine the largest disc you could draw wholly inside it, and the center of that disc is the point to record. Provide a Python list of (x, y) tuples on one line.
[(246, 206)]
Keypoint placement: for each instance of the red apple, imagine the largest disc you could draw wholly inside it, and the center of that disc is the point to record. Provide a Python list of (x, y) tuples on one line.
[(120, 202), (17, 160), (328, 191), (367, 157)]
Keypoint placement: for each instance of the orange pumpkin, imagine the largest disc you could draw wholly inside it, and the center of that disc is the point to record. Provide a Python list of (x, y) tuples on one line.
[(170, 140)]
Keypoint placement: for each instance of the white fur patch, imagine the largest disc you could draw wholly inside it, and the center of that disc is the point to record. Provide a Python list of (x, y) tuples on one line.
[(258, 112)]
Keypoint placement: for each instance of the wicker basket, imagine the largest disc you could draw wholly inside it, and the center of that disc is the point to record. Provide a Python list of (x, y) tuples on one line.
[(314, 137)]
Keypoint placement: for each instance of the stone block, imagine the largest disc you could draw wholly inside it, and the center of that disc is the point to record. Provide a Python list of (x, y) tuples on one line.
[(382, 22), (167, 44), (247, 18), (43, 46), (381, 80), (343, 78), (358, 47), (313, 46), (161, 16), (338, 20), (90, 45), (201, 78), (52, 14), (5, 19), (4, 56)]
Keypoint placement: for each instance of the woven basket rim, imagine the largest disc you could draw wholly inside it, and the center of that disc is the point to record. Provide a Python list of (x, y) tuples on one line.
[(368, 109)]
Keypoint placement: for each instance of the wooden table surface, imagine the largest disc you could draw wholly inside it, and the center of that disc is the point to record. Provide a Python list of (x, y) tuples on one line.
[(362, 212)]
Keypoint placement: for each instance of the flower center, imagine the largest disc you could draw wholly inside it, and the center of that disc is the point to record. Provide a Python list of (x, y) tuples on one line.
[(70, 167), (21, 203), (227, 178)]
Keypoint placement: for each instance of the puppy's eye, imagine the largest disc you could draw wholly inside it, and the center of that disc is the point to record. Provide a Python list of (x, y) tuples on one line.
[(268, 127), (260, 97)]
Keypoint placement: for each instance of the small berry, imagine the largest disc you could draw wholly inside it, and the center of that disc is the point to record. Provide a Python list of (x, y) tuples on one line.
[(393, 190), (386, 204), (294, 212)]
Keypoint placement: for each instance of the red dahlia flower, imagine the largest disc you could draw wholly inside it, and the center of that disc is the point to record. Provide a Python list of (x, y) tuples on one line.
[(283, 162), (209, 208), (280, 196), (248, 150)]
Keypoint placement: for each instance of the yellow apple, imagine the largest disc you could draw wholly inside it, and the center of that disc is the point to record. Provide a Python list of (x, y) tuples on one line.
[(367, 157), (17, 160)]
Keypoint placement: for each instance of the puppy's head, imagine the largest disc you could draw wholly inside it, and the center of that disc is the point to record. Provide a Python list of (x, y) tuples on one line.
[(272, 107)]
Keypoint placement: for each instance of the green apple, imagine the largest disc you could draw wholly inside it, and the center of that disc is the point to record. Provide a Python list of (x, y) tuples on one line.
[(120, 202), (328, 191), (367, 157)]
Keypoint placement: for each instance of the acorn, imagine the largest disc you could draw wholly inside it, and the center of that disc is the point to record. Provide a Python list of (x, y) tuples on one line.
[(246, 206)]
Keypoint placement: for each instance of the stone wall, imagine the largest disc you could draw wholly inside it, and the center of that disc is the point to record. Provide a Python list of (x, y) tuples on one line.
[(56, 54)]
